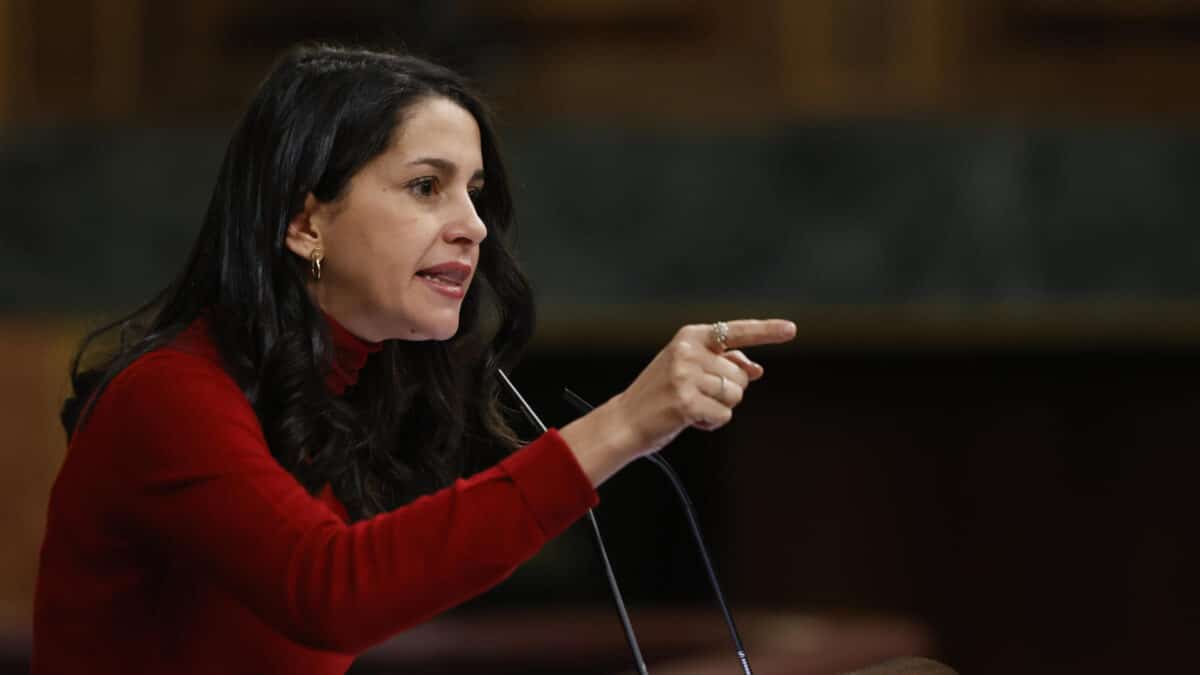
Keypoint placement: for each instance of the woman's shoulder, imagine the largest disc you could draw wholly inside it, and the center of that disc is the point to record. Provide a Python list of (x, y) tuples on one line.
[(187, 366), (161, 400)]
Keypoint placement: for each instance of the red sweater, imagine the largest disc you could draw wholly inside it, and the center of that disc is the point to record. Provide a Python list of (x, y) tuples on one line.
[(175, 543)]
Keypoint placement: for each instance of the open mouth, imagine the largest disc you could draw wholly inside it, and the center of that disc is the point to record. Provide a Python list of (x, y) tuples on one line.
[(451, 278)]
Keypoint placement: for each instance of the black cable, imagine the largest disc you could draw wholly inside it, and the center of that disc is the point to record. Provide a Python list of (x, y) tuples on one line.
[(618, 599), (584, 407)]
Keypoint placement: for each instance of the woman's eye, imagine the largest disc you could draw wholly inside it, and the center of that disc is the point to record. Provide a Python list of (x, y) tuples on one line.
[(423, 187), (475, 194)]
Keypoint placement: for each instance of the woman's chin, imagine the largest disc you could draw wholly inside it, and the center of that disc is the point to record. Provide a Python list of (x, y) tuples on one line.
[(438, 331), (438, 327)]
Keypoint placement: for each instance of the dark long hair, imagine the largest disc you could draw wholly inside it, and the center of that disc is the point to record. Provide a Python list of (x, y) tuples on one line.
[(422, 413)]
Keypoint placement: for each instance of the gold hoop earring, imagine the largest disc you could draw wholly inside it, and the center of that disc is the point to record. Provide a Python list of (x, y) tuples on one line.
[(315, 257)]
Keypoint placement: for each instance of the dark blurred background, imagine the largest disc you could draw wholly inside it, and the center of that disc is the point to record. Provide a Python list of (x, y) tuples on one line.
[(981, 215)]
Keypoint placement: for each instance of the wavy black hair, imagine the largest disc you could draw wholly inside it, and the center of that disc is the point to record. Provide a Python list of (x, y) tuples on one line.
[(422, 413)]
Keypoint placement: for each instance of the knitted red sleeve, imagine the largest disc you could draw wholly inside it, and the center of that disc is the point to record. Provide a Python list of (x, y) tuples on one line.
[(194, 478)]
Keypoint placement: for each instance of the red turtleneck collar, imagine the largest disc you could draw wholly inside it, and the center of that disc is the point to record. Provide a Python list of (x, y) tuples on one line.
[(351, 353)]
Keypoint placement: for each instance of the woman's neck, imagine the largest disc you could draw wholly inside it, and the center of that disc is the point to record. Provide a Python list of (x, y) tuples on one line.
[(350, 354)]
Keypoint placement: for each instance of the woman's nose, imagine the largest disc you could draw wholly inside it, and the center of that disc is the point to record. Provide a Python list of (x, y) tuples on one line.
[(468, 226)]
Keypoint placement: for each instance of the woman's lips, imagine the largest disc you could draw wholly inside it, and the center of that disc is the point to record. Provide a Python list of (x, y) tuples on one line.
[(450, 279)]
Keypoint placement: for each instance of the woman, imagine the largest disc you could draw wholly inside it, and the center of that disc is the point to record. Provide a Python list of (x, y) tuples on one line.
[(269, 478)]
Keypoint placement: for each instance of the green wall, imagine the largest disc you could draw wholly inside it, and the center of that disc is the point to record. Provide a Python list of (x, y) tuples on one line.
[(880, 214)]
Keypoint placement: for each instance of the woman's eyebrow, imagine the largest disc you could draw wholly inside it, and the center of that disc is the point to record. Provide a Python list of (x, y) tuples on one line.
[(445, 166)]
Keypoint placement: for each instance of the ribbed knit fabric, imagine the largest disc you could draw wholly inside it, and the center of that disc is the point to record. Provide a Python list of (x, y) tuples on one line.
[(175, 543)]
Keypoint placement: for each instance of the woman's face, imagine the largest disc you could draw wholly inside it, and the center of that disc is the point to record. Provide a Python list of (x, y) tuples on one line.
[(401, 245)]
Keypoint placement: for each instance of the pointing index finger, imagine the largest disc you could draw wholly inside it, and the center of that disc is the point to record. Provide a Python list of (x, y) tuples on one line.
[(752, 332)]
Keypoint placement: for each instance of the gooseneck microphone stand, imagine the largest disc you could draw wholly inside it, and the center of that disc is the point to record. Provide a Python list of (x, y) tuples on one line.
[(584, 407), (618, 599)]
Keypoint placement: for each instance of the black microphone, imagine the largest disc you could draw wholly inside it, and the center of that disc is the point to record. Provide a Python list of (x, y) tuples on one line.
[(618, 599), (584, 407)]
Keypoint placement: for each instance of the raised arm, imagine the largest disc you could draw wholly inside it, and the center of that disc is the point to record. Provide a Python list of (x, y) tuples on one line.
[(198, 484), (695, 381)]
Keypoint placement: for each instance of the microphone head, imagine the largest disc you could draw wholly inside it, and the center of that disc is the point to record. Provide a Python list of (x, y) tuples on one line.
[(577, 402)]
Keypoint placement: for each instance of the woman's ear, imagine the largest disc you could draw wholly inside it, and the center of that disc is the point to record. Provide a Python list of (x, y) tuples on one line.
[(304, 230)]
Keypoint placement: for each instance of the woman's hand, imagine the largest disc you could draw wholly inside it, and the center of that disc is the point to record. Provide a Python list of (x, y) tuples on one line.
[(695, 381)]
